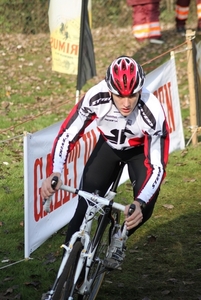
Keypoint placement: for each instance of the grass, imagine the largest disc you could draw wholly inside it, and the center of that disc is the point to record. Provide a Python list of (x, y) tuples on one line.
[(164, 256), (163, 259)]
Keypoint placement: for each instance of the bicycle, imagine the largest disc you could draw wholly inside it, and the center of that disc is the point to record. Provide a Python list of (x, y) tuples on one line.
[(90, 255)]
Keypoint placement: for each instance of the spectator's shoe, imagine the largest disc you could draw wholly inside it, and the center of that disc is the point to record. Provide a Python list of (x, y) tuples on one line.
[(181, 30), (158, 41)]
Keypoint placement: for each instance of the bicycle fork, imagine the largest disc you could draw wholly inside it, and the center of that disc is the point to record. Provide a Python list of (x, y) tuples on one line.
[(90, 256), (63, 263)]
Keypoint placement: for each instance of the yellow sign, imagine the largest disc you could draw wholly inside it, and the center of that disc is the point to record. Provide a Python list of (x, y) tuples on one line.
[(64, 23)]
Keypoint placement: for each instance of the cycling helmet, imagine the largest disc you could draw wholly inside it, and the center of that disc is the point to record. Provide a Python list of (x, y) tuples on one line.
[(124, 76)]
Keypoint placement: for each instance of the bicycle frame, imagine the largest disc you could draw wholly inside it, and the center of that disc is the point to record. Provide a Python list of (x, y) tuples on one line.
[(96, 204)]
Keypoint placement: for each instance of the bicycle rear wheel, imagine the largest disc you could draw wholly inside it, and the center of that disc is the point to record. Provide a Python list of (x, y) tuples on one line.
[(65, 282)]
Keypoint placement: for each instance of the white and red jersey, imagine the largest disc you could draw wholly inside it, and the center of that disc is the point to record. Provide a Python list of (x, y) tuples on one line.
[(146, 125)]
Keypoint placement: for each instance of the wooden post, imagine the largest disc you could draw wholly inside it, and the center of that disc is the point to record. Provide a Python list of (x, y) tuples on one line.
[(170, 5), (190, 35)]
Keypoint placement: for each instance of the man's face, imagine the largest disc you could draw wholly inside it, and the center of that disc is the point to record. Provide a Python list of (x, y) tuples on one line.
[(126, 105)]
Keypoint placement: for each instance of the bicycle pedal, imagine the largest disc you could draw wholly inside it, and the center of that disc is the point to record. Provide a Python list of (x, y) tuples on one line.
[(111, 264)]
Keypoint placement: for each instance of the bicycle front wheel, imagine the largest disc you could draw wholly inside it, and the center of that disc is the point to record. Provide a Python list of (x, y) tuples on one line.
[(96, 275), (65, 282), (97, 270)]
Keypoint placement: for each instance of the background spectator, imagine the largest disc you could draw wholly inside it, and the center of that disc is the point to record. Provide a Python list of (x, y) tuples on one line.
[(145, 19), (182, 11)]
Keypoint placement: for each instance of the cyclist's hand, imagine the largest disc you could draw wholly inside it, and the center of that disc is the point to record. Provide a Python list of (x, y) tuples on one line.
[(46, 189), (136, 218)]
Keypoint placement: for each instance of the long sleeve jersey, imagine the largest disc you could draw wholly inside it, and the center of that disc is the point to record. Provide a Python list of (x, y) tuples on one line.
[(146, 126)]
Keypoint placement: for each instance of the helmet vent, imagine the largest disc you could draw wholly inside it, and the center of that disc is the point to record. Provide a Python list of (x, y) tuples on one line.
[(119, 85), (132, 68), (123, 65), (116, 69), (131, 83), (125, 81)]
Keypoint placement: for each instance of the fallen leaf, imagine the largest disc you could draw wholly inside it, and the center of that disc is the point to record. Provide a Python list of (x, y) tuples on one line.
[(180, 164), (8, 291), (174, 280), (5, 104), (133, 251), (151, 238), (8, 279), (32, 283), (166, 292), (5, 261), (188, 282), (189, 179), (168, 206)]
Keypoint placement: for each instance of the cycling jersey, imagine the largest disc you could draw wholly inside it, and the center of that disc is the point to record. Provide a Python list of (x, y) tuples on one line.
[(146, 126)]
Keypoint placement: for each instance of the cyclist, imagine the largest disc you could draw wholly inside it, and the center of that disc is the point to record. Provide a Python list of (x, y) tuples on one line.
[(132, 128)]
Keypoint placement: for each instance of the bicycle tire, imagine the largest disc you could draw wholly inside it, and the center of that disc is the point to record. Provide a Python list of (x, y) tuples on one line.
[(96, 287), (65, 281)]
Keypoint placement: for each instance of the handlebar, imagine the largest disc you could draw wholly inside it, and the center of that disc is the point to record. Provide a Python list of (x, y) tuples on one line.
[(47, 202), (90, 196)]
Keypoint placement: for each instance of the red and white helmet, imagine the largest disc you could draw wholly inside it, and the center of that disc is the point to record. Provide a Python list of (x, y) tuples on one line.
[(124, 76)]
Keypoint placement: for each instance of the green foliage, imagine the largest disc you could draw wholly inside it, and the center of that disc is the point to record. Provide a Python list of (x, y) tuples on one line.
[(31, 17), (24, 16)]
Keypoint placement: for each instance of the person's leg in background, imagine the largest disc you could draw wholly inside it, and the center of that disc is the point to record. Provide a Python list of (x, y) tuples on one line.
[(198, 3), (153, 20), (146, 25), (181, 15), (140, 26)]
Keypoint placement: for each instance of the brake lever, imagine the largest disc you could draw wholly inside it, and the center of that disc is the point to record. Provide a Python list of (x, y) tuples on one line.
[(54, 182), (131, 209)]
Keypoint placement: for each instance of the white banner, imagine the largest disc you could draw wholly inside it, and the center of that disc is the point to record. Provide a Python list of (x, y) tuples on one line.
[(37, 147), (163, 83)]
